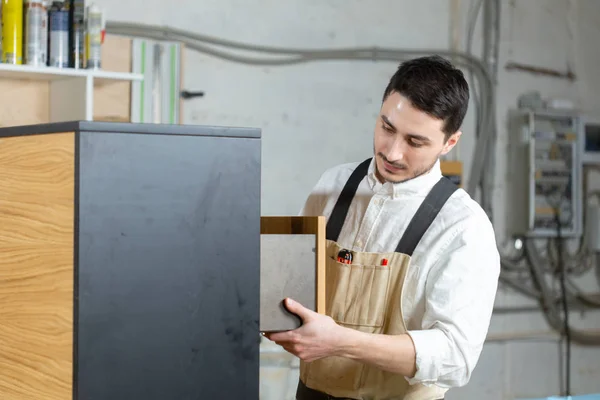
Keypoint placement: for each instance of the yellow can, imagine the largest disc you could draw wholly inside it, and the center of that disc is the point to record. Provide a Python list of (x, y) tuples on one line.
[(12, 31)]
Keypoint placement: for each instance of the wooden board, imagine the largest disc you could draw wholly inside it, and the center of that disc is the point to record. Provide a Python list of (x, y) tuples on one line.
[(293, 264), (24, 102), (452, 170), (112, 102), (36, 266)]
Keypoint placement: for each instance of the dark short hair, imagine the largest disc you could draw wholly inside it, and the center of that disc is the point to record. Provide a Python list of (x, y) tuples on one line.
[(434, 86)]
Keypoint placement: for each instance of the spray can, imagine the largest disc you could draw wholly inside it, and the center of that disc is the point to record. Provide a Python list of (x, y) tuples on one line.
[(1, 32), (12, 31), (77, 33), (58, 27), (95, 25), (36, 32)]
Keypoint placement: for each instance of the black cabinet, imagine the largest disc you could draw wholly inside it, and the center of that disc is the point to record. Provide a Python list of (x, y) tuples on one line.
[(165, 260)]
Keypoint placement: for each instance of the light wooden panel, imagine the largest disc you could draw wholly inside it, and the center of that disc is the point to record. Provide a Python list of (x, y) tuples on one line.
[(112, 100), (297, 225), (23, 102), (36, 266), (452, 169), (67, 100)]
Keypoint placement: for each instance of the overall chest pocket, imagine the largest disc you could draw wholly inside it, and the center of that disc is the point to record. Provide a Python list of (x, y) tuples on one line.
[(357, 294)]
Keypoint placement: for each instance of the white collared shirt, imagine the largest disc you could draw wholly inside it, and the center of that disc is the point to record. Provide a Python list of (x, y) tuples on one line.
[(453, 274)]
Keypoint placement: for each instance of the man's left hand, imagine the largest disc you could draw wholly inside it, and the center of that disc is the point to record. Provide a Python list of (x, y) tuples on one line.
[(316, 338)]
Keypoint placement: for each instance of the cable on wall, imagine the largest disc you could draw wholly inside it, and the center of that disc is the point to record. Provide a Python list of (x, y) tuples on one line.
[(485, 126)]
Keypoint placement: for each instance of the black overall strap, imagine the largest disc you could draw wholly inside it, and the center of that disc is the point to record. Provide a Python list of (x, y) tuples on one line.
[(340, 210), (426, 213)]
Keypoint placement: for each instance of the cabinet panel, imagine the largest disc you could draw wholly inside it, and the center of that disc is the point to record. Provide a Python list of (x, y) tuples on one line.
[(168, 267)]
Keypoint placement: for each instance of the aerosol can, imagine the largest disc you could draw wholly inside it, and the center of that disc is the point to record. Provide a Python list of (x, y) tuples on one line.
[(12, 31), (36, 32), (1, 32), (58, 45), (77, 34), (95, 25)]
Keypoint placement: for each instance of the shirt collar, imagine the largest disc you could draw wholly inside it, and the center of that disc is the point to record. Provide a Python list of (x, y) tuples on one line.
[(417, 186)]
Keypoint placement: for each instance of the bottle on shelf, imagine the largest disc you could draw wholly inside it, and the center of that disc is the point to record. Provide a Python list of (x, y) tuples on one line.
[(58, 38), (94, 28), (35, 32), (77, 34), (55, 33), (12, 31)]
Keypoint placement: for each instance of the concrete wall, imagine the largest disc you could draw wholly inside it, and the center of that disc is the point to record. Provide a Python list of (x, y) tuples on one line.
[(326, 111)]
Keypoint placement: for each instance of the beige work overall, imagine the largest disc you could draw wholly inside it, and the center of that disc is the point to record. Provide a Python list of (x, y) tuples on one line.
[(367, 296)]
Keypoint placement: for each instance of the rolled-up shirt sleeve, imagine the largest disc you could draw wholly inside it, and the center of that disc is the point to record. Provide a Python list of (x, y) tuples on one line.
[(460, 292)]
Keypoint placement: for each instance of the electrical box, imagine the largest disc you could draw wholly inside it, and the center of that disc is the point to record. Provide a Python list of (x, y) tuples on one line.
[(591, 140), (544, 169), (593, 227)]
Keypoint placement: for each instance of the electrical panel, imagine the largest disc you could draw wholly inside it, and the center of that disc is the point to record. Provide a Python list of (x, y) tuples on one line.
[(545, 167), (591, 141)]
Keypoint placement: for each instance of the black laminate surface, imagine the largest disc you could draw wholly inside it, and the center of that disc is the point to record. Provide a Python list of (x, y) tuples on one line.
[(168, 267)]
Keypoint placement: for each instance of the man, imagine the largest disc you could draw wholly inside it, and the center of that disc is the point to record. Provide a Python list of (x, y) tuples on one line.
[(409, 310)]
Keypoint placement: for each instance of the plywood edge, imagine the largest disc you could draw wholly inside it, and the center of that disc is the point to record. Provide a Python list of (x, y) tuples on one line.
[(321, 294), (451, 167), (452, 170), (289, 225)]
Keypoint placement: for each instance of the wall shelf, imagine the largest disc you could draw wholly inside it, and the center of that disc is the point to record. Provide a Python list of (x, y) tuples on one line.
[(33, 95), (29, 72)]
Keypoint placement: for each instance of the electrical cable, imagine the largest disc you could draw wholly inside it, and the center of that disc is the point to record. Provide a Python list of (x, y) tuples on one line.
[(473, 14), (563, 289), (555, 199), (297, 56), (548, 301), (589, 301), (485, 120), (597, 260), (518, 285), (490, 45)]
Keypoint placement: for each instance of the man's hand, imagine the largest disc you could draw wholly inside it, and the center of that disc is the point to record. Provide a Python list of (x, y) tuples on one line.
[(320, 337), (315, 339)]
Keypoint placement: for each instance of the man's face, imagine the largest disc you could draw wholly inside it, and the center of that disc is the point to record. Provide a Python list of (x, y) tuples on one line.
[(408, 142)]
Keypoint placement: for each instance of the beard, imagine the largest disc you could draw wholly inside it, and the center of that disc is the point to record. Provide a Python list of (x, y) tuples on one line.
[(418, 171)]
